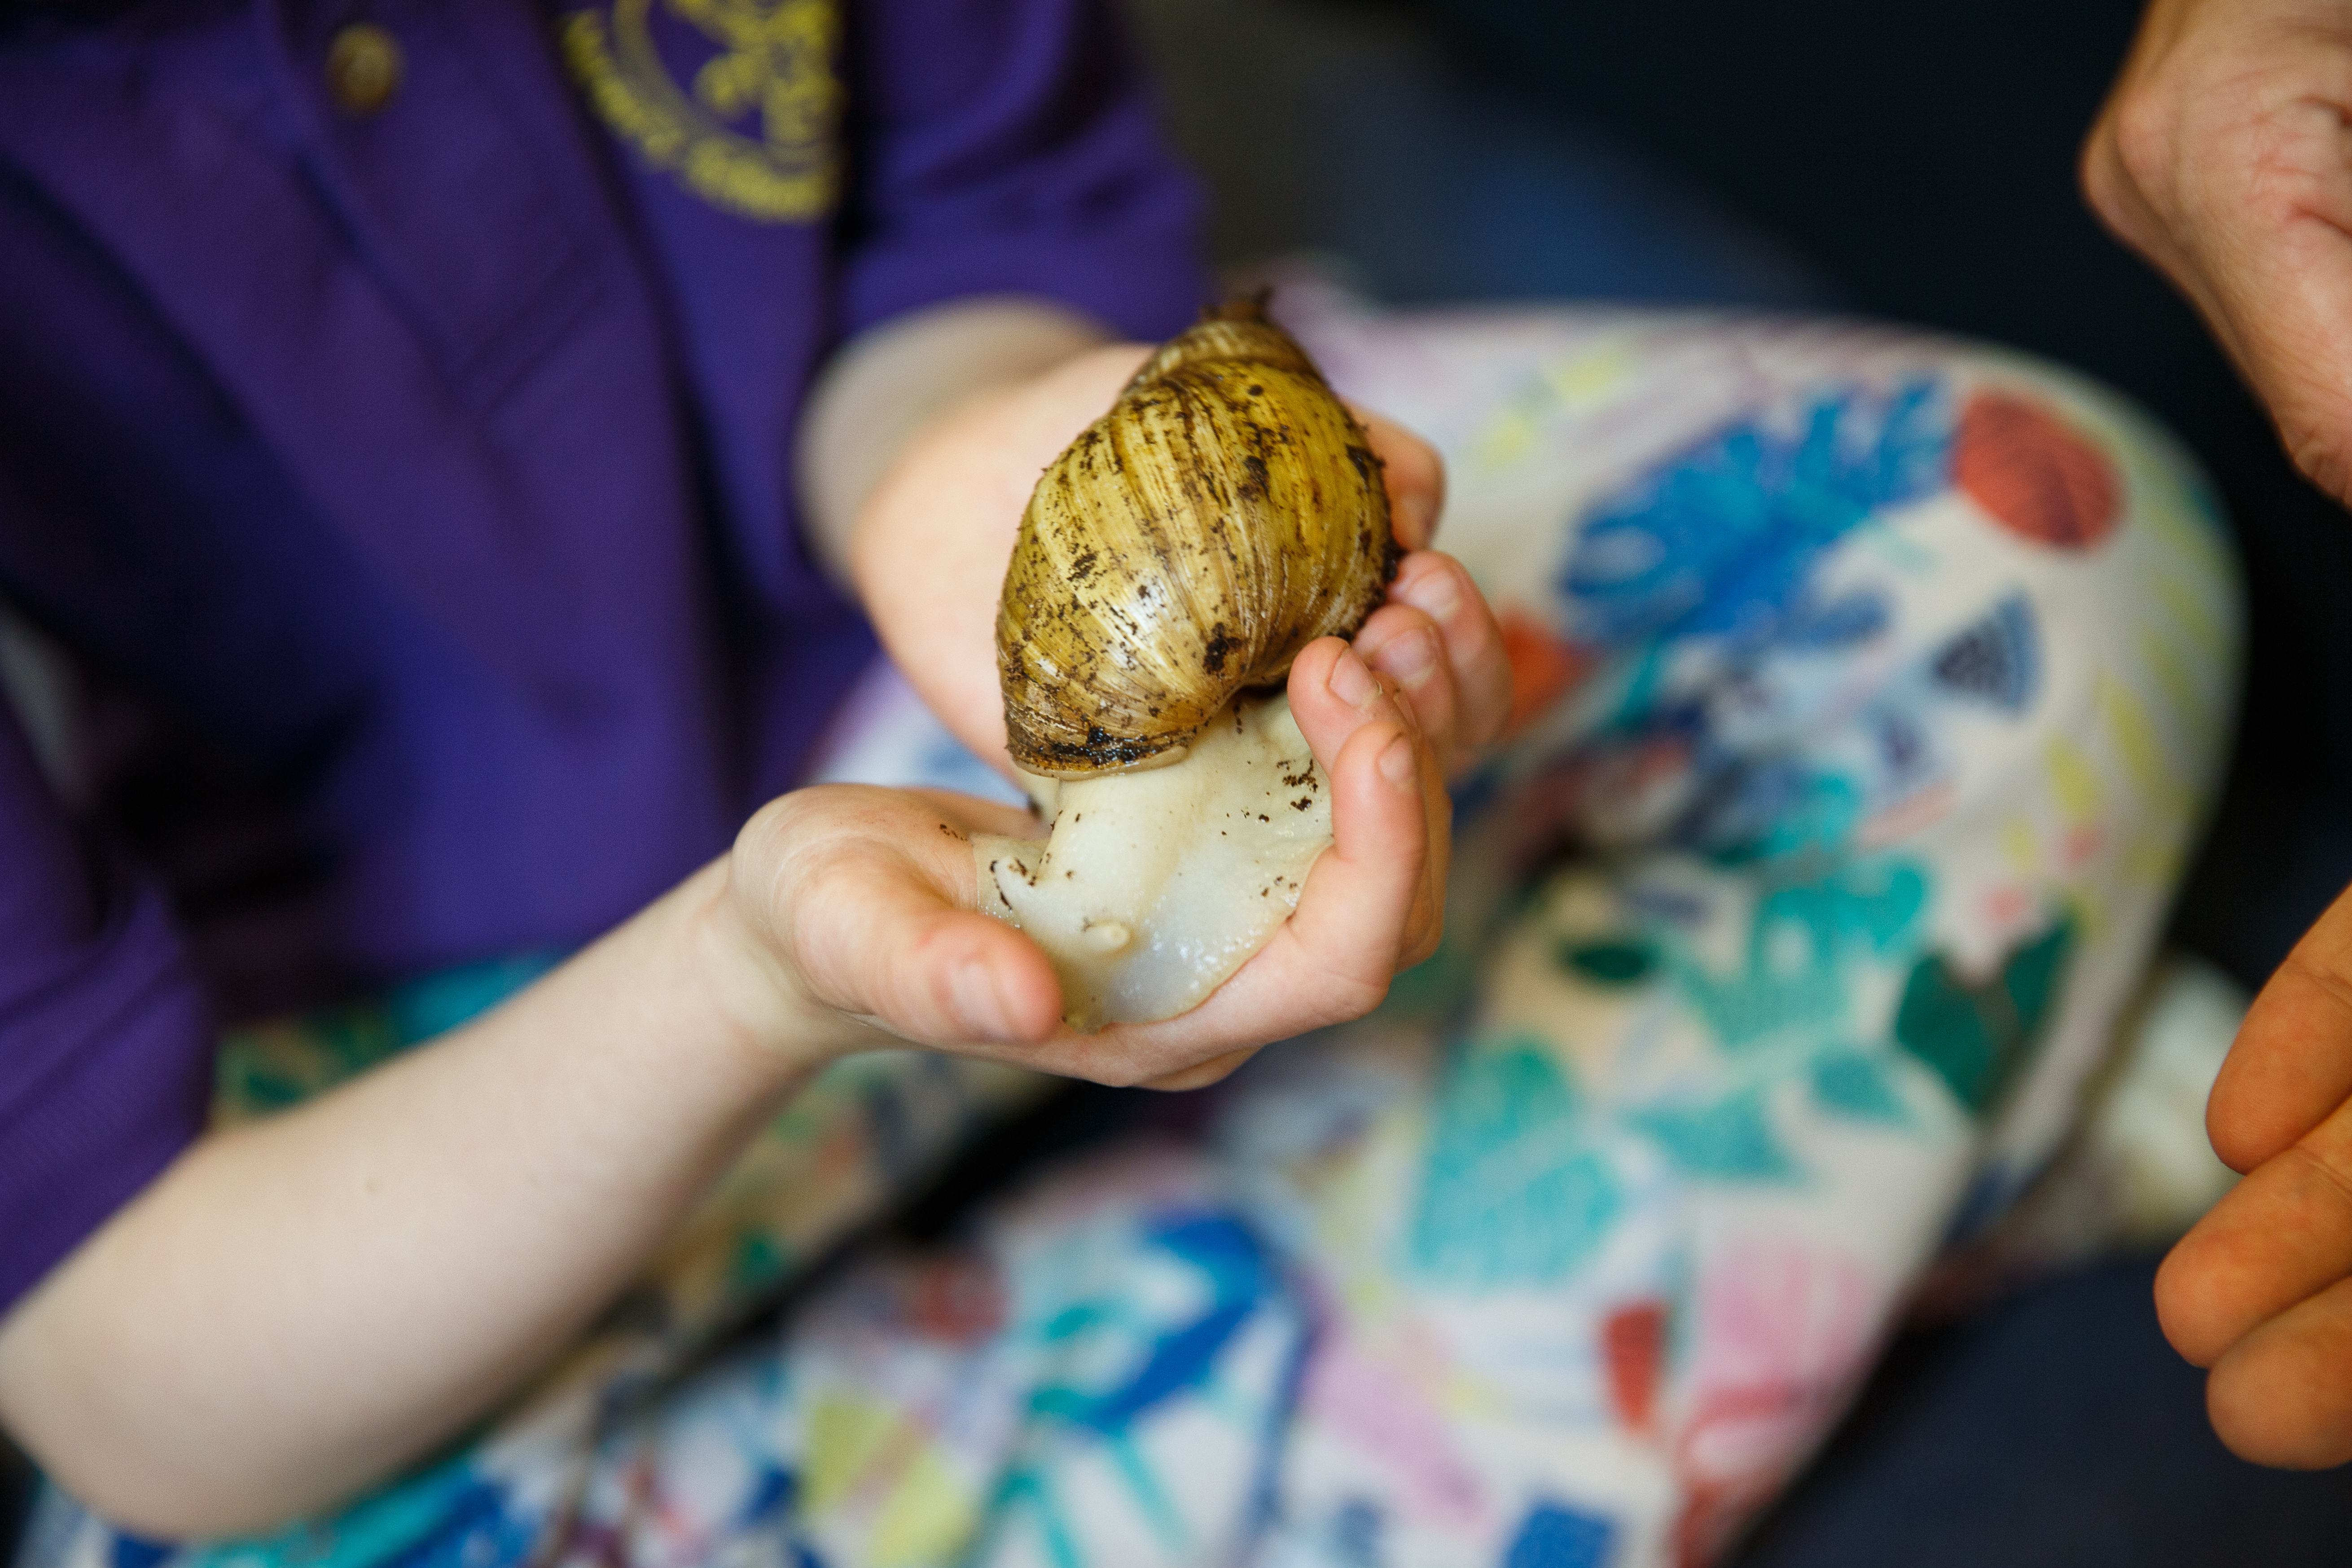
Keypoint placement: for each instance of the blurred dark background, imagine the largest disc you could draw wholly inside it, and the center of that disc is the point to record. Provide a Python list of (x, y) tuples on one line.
[(1914, 161)]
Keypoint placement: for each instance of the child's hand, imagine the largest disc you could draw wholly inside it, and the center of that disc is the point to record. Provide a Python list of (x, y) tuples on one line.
[(2260, 1290), (855, 904), (931, 547)]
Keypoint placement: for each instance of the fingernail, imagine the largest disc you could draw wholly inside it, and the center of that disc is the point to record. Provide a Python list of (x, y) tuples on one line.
[(1432, 592), (1409, 658), (1350, 682), (976, 1002), (1396, 764)]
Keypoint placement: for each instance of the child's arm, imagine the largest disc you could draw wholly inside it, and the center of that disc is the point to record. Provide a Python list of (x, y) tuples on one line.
[(2260, 1290), (297, 1306)]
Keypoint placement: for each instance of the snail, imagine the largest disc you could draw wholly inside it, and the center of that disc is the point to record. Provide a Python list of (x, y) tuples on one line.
[(1172, 561)]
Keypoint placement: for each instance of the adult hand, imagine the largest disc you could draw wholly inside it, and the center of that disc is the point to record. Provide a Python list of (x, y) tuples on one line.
[(2260, 1290), (2223, 157)]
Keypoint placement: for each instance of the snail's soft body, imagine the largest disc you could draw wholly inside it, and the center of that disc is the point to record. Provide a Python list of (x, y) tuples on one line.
[(1173, 561), (1156, 884)]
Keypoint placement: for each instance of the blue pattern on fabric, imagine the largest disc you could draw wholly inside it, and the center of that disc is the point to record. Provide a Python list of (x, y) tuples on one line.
[(1719, 540), (1236, 1264), (1553, 1536), (1997, 660), (1770, 809), (1356, 1533)]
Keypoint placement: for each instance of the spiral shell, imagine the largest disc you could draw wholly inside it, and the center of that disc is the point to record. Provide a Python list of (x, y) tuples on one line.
[(1226, 512)]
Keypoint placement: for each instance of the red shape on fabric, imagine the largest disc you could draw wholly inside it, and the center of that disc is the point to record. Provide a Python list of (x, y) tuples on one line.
[(2036, 476), (1633, 1347), (1542, 665), (958, 1299)]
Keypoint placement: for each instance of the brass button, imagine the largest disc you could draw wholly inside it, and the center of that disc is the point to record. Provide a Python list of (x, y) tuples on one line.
[(363, 68)]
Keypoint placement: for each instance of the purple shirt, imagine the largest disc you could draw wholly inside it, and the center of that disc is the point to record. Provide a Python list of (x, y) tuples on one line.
[(414, 481)]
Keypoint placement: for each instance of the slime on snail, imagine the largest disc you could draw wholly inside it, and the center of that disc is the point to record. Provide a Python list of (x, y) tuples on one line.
[(1172, 561)]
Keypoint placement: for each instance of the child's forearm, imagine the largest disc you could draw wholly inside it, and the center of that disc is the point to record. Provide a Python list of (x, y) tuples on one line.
[(297, 1306), (892, 380)]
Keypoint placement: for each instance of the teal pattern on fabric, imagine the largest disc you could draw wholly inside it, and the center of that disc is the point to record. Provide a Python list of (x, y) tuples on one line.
[(449, 1514), (1609, 961), (446, 999), (1729, 1138), (1510, 1192), (1797, 977), (1855, 1084), (1975, 1036)]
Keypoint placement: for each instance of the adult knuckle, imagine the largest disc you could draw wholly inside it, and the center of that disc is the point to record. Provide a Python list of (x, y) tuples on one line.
[(2317, 448), (2142, 129), (2325, 1165)]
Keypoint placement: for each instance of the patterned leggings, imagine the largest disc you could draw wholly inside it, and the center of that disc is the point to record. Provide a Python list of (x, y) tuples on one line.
[(1869, 692)]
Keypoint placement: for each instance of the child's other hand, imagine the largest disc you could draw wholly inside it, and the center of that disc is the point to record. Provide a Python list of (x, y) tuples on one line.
[(931, 547), (2260, 1290), (849, 910)]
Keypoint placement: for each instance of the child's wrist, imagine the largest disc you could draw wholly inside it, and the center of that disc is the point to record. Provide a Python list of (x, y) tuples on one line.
[(751, 987)]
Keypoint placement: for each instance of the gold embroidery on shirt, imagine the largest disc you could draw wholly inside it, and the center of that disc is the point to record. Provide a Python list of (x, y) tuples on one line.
[(774, 61)]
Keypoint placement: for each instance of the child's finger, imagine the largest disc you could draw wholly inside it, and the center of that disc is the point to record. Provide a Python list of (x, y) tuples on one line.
[(1439, 587), (1334, 956), (1424, 917), (1415, 476), (1379, 854), (886, 947), (1405, 646), (1330, 960), (1215, 1069), (2279, 1396), (869, 895), (1340, 949), (2292, 1064)]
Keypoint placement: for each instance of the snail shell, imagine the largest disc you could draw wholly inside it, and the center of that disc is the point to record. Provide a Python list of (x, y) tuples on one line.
[(1226, 512)]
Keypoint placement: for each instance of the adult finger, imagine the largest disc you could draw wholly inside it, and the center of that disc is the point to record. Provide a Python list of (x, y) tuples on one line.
[(1440, 587), (1415, 476), (2279, 1396), (2291, 1066), (2278, 1237)]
